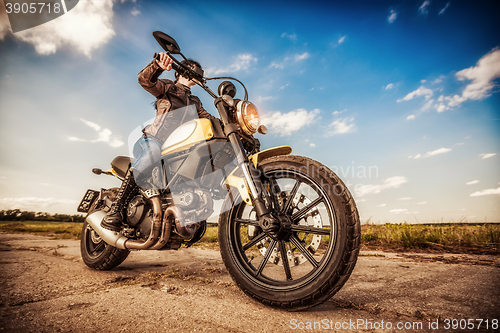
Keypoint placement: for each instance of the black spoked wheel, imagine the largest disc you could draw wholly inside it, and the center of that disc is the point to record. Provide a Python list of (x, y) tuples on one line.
[(94, 245), (96, 253), (309, 263)]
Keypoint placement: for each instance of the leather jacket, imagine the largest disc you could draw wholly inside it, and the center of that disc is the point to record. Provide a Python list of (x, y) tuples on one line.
[(170, 96)]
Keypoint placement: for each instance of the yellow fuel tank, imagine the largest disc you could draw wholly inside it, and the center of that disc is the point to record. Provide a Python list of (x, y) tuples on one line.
[(187, 135)]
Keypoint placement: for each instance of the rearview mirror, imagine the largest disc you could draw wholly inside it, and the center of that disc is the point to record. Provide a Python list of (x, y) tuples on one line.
[(166, 42)]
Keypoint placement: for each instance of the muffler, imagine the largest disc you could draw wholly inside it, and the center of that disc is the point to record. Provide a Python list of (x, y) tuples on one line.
[(112, 238)]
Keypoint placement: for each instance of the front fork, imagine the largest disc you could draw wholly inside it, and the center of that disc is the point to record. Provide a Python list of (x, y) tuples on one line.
[(270, 222)]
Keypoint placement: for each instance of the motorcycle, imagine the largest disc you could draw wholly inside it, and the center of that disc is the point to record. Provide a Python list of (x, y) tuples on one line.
[(288, 231)]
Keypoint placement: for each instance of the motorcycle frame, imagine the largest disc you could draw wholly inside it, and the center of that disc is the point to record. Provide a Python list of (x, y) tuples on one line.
[(250, 187)]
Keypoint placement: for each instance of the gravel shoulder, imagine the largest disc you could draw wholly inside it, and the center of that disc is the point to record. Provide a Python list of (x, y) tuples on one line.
[(45, 287)]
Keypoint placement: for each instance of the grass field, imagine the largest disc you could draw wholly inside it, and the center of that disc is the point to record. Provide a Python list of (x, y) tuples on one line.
[(446, 238), (56, 230)]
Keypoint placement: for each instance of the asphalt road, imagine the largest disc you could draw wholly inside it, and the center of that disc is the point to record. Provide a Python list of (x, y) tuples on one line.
[(45, 287)]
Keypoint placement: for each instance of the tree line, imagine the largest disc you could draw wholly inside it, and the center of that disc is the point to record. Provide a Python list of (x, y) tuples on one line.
[(18, 215)]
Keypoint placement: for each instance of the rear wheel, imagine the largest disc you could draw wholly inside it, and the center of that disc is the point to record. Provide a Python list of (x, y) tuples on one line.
[(96, 253), (310, 263)]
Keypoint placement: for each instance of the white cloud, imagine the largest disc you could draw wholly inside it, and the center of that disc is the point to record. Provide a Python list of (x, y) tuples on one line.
[(389, 86), (399, 211), (300, 57), (289, 60), (405, 199), (431, 153), (421, 91), (342, 39), (483, 84), (278, 65), (410, 117), (428, 104), (85, 28), (392, 182), (135, 12), (482, 76), (422, 203), (437, 152), (472, 182), (491, 191), (91, 124), (242, 62), (286, 123), (32, 203), (392, 16), (341, 126), (438, 80), (485, 156), (292, 37), (283, 87), (440, 107), (445, 8), (382, 205), (266, 98), (312, 145), (105, 135), (74, 138), (424, 7)]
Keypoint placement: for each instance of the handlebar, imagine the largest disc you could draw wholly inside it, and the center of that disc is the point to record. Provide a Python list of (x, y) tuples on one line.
[(197, 77), (182, 69), (175, 67)]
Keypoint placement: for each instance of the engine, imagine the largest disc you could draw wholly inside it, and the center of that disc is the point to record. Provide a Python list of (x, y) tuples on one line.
[(140, 216), (195, 203)]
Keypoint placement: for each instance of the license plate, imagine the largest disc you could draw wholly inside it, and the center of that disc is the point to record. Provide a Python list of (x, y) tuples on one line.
[(87, 201)]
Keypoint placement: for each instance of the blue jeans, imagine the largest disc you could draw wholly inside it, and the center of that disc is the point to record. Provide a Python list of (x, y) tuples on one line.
[(147, 152)]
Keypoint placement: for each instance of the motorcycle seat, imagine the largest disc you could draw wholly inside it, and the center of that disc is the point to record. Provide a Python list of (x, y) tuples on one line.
[(121, 164)]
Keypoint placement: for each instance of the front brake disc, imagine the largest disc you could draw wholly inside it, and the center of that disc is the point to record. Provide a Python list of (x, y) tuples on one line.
[(310, 242)]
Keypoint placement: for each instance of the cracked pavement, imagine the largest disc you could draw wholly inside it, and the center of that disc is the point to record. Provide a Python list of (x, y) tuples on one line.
[(46, 287)]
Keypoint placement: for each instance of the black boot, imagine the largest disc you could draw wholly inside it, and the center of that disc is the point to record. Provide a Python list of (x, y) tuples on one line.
[(113, 219)]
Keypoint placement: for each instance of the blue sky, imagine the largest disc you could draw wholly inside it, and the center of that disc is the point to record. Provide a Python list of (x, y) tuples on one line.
[(399, 98)]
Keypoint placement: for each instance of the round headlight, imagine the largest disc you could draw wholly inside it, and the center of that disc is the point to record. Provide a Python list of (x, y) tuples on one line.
[(248, 117)]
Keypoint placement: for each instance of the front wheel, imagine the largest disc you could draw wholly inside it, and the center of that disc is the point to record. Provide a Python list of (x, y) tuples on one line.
[(310, 263), (96, 253)]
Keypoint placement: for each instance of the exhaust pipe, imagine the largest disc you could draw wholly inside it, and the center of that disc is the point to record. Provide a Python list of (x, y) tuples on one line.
[(117, 240), (155, 230), (172, 214)]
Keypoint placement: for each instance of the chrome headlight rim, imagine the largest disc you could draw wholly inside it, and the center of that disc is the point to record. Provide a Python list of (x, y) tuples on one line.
[(243, 108)]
